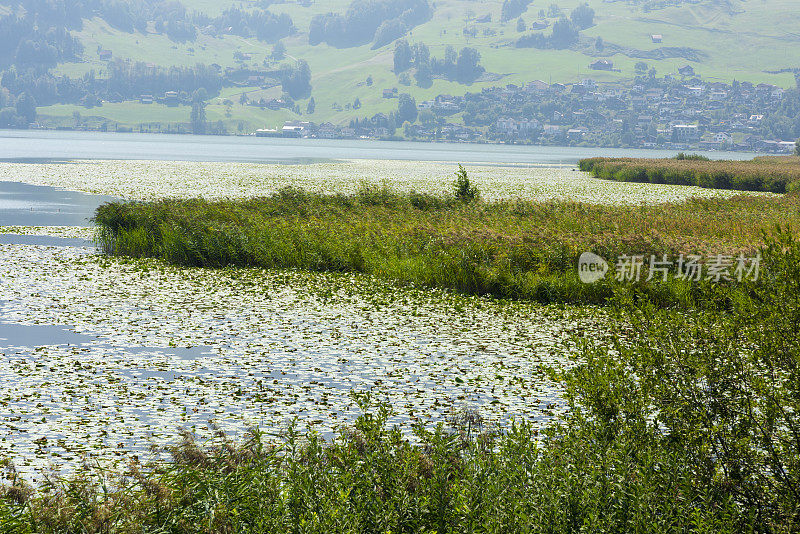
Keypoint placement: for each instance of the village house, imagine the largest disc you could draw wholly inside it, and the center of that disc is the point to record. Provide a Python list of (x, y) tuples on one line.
[(576, 134), (723, 138), (326, 130), (171, 98), (685, 133), (537, 87), (602, 64), (506, 126), (527, 127), (695, 90), (267, 132), (551, 130), (446, 106)]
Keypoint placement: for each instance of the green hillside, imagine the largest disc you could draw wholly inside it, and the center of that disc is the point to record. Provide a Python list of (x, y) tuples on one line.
[(750, 40)]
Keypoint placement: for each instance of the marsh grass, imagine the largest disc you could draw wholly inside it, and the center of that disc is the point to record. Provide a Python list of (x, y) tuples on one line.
[(677, 423), (370, 479), (768, 174), (513, 249)]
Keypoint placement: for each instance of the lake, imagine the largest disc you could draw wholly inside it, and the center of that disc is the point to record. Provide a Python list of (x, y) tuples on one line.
[(106, 357), (103, 358), (37, 145)]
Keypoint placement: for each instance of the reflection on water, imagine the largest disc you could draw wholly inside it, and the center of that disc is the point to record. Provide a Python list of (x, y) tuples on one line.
[(34, 205), (19, 336)]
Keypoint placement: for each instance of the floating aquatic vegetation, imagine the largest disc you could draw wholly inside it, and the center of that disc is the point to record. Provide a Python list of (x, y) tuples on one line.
[(151, 348), (149, 180), (69, 232)]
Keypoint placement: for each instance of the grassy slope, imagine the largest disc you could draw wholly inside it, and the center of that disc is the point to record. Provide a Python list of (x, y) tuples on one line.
[(742, 45)]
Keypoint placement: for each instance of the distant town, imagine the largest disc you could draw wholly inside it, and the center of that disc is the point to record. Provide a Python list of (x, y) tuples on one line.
[(680, 111)]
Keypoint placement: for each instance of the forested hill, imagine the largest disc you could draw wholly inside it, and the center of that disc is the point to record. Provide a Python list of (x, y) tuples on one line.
[(64, 62)]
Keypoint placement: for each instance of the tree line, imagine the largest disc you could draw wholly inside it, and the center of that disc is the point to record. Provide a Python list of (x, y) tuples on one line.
[(513, 8), (379, 21), (463, 67), (565, 31), (263, 25), (24, 42)]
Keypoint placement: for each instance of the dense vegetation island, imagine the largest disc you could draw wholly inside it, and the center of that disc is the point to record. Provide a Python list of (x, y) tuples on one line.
[(502, 71), (771, 173)]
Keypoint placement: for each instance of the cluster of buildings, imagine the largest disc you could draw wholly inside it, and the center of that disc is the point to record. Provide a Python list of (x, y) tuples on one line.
[(665, 112), (674, 112)]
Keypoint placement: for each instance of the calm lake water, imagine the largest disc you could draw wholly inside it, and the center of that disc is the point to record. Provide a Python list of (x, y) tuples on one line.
[(32, 146), (34, 205)]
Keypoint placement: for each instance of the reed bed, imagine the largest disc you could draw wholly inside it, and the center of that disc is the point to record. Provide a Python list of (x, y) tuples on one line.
[(509, 249), (767, 174)]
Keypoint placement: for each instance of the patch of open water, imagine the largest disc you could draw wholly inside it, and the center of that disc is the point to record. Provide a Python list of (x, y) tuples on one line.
[(33, 205)]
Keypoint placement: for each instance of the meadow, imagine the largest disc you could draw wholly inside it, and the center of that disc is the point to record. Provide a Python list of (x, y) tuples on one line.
[(774, 174), (745, 44)]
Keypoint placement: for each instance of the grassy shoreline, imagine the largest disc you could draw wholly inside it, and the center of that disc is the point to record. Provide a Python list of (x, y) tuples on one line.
[(509, 249), (767, 174)]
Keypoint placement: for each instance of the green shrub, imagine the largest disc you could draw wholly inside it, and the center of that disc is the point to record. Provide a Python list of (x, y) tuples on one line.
[(718, 391), (691, 157), (464, 190)]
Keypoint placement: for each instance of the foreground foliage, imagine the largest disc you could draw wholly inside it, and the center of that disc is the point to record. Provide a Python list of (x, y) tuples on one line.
[(514, 249), (676, 424), (772, 174)]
